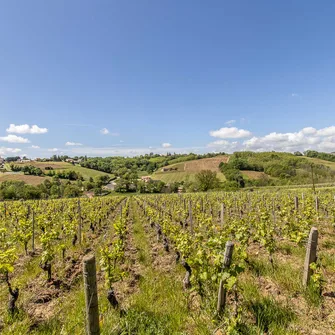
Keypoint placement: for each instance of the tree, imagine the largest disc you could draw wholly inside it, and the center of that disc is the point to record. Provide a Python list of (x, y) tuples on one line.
[(207, 180), (298, 153)]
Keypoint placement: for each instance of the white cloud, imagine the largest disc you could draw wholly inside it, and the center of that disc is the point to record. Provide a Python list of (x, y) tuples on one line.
[(166, 145), (294, 95), (329, 131), (73, 144), (35, 147), (26, 129), (308, 131), (218, 143), (14, 139), (230, 132), (53, 149), (5, 151), (305, 139), (104, 131), (223, 145), (230, 122)]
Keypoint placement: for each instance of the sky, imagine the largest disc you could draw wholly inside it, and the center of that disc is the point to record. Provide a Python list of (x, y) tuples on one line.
[(105, 77)]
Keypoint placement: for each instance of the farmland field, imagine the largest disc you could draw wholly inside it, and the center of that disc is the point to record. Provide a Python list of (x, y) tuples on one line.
[(186, 171), (160, 263), (60, 166), (31, 180)]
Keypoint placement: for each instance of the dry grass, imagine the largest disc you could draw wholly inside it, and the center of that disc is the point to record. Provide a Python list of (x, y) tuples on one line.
[(31, 180), (253, 174), (43, 165), (205, 164)]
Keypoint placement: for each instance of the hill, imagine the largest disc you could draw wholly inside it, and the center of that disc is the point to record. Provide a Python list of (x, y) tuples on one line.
[(57, 166), (186, 171), (30, 180), (257, 169)]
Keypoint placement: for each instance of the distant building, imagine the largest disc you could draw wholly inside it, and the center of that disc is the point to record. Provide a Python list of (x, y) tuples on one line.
[(110, 187), (146, 179)]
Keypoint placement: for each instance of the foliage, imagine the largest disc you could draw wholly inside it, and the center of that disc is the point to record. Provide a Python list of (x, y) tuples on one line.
[(206, 180)]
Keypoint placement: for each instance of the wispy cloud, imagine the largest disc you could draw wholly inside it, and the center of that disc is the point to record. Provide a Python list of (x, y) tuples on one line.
[(35, 147), (230, 122), (295, 95), (74, 144), (79, 125)]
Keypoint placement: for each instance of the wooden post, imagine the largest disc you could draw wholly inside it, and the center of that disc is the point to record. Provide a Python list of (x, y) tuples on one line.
[(33, 232), (222, 214), (228, 255), (79, 223), (296, 203), (310, 254), (190, 215), (91, 295), (317, 204)]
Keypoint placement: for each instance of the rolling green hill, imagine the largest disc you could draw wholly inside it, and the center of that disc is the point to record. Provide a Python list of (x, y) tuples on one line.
[(186, 171), (272, 168), (57, 166)]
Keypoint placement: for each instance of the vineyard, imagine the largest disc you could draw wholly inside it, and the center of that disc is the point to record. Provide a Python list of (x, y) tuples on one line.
[(201, 263)]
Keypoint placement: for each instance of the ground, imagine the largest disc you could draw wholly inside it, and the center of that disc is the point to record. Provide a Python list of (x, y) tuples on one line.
[(31, 180), (58, 166), (186, 171)]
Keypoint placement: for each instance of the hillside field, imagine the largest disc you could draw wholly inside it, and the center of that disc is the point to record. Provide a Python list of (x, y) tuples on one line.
[(58, 166), (186, 171), (31, 180)]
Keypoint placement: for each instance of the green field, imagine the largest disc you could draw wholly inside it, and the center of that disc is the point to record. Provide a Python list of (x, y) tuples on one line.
[(187, 170), (321, 161), (61, 166), (179, 176)]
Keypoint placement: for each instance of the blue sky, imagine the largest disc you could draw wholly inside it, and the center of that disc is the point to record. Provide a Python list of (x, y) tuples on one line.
[(166, 76)]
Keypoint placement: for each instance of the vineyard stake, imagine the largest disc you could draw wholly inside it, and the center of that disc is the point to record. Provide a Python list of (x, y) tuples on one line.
[(228, 255), (310, 254), (190, 215), (33, 233), (317, 204), (222, 213), (79, 223), (91, 295), (296, 203)]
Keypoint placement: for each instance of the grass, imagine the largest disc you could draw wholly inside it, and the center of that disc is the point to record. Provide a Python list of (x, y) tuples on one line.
[(270, 316), (176, 176), (321, 161), (60, 166), (31, 180)]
